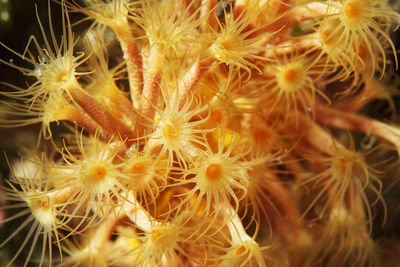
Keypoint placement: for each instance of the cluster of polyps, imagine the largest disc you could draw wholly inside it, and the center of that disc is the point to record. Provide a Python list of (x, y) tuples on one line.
[(206, 143)]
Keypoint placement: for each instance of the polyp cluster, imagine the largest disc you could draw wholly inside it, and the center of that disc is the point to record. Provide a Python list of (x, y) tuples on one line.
[(205, 139)]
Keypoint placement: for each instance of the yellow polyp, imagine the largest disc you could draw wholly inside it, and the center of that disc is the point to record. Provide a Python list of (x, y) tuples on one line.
[(240, 250), (348, 167), (214, 172), (41, 209), (227, 45), (97, 173), (169, 131), (327, 38), (352, 10), (157, 235), (138, 168), (109, 90), (62, 76), (201, 133), (41, 204), (44, 203), (290, 75)]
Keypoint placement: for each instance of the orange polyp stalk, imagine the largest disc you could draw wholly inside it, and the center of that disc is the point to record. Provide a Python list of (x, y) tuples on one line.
[(287, 204), (61, 196), (138, 215), (151, 89), (187, 7), (276, 11), (239, 8), (356, 203), (315, 135), (83, 120), (97, 112), (153, 146), (294, 166), (291, 45), (216, 115), (359, 101), (211, 21), (133, 60), (190, 81), (164, 200), (372, 90), (123, 104), (235, 226), (305, 12), (238, 12), (352, 121), (292, 17), (105, 229), (240, 4)]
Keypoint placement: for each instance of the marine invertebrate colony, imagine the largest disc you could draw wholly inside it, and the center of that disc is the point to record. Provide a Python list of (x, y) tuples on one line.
[(204, 139)]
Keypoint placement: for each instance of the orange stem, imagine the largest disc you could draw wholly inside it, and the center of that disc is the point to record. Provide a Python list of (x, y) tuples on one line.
[(151, 89), (190, 81), (351, 121), (99, 114), (315, 135), (206, 7), (133, 60), (85, 121)]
